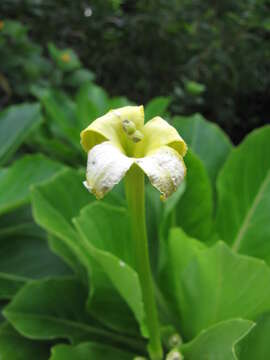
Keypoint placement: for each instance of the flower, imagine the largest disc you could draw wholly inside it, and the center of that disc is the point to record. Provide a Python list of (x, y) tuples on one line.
[(119, 140), (65, 57)]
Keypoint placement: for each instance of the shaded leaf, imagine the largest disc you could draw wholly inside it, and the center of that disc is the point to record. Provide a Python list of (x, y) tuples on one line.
[(244, 196), (214, 284), (24, 253), (106, 232), (55, 204), (194, 211), (92, 102), (16, 122), (218, 341), (16, 180), (16, 347), (256, 345), (156, 107), (206, 140), (88, 351), (39, 312)]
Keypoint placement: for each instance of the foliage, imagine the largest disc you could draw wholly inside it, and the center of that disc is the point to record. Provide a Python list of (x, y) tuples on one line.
[(66, 267), (210, 57), (68, 284), (24, 67)]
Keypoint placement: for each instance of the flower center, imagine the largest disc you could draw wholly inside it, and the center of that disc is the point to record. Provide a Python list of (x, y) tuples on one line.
[(132, 133)]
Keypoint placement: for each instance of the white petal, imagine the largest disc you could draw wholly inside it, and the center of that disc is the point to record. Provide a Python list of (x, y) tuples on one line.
[(106, 166), (165, 169)]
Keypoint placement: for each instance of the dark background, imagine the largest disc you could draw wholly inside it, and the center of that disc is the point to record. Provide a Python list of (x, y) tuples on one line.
[(211, 57)]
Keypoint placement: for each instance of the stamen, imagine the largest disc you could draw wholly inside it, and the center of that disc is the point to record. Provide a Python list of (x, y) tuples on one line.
[(137, 136), (129, 127)]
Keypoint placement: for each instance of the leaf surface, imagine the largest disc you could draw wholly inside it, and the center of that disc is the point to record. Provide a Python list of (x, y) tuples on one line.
[(88, 351), (16, 122), (15, 181), (206, 140), (218, 341), (214, 284), (244, 196)]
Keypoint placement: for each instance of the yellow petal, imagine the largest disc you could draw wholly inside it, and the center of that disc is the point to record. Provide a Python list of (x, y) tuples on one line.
[(157, 132), (165, 169), (109, 127), (106, 166)]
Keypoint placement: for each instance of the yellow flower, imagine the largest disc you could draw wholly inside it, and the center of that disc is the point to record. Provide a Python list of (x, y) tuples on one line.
[(2, 24), (65, 57), (119, 140)]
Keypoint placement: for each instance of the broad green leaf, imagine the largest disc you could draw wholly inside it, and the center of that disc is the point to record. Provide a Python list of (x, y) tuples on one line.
[(218, 341), (55, 308), (24, 253), (206, 140), (92, 102), (55, 203), (13, 346), (23, 258), (19, 221), (194, 211), (39, 312), (214, 285), (105, 230), (256, 345), (61, 112), (87, 351), (189, 248), (16, 122), (244, 196), (156, 107), (16, 180)]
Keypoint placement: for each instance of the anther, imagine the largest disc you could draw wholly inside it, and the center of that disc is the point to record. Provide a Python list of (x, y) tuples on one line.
[(137, 136), (128, 127)]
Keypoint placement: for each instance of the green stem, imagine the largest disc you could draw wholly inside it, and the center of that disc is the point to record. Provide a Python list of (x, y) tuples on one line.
[(136, 203)]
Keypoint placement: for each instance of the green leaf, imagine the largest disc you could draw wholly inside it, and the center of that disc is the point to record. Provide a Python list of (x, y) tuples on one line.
[(24, 258), (39, 311), (214, 284), (24, 253), (156, 107), (194, 211), (16, 347), (55, 203), (61, 111), (15, 181), (88, 351), (218, 341), (194, 88), (256, 345), (189, 248), (79, 77), (206, 140), (66, 59), (244, 196), (105, 231), (92, 102), (16, 122), (119, 101)]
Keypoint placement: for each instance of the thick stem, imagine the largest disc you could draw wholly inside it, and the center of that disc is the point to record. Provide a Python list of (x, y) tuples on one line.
[(136, 203)]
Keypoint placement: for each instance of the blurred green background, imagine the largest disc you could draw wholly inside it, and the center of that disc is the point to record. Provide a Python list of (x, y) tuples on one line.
[(210, 57)]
